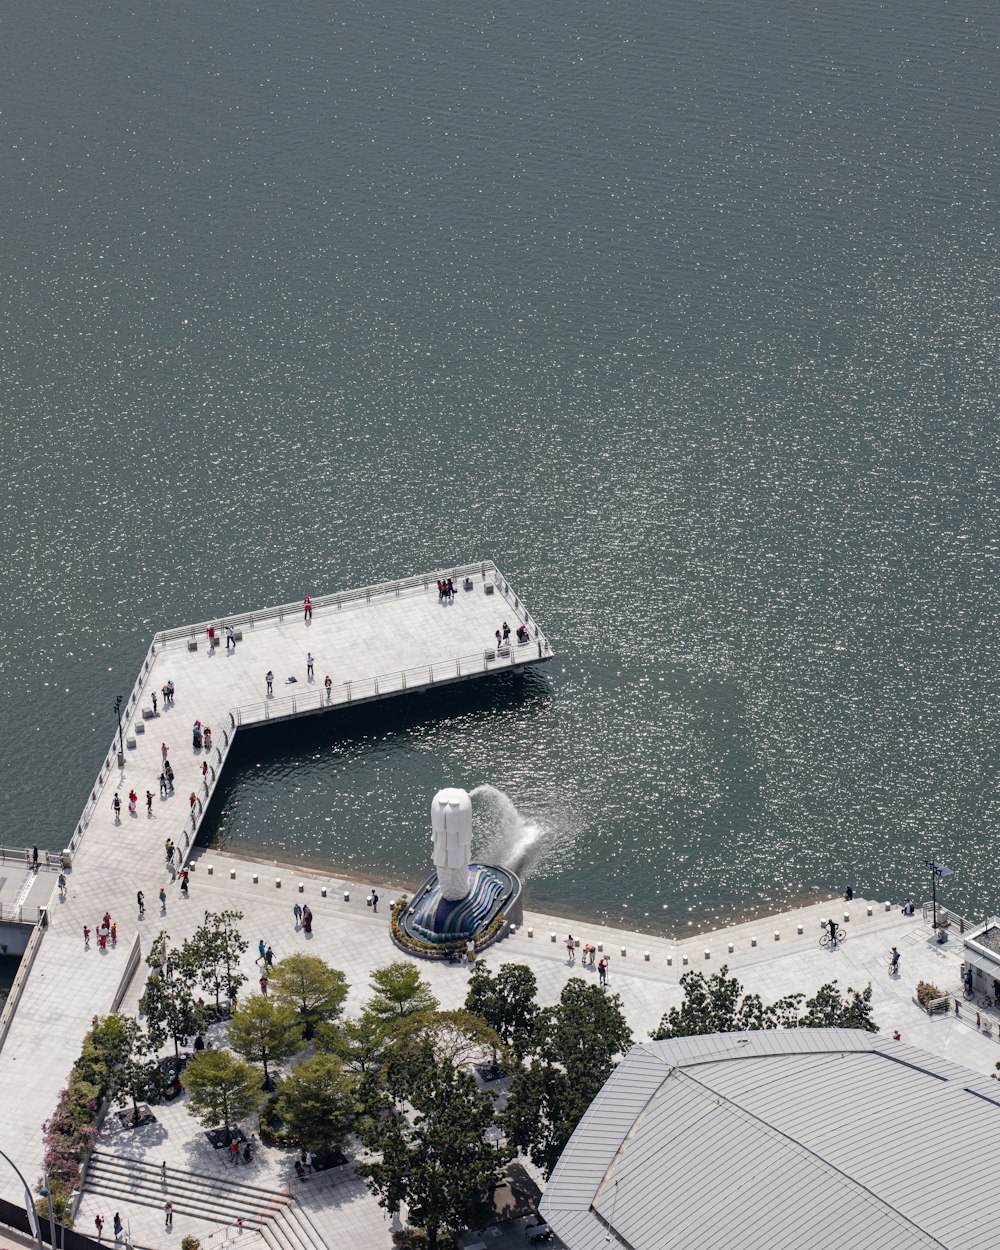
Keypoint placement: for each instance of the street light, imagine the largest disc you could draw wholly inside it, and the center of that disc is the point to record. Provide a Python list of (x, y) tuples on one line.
[(121, 736), (47, 1193), (29, 1202)]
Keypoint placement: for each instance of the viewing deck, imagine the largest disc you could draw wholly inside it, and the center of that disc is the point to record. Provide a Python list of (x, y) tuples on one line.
[(373, 643)]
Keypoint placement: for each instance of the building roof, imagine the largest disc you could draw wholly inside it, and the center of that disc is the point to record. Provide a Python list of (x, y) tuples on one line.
[(778, 1140)]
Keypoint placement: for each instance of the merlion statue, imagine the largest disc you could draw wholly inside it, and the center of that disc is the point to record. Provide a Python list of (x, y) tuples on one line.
[(451, 821)]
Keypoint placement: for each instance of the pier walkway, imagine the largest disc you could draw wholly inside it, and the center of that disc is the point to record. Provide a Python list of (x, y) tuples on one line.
[(375, 643)]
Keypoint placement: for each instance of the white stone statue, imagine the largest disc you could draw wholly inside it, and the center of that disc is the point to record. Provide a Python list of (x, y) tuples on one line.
[(451, 821)]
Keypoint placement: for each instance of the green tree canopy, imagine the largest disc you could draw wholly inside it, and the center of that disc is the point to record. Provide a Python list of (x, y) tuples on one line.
[(211, 956), (399, 990), (576, 1045), (127, 1056), (717, 1004), (317, 1102), (506, 1002), (170, 1010), (317, 990), (223, 1089), (459, 1038), (363, 1046), (428, 1148), (265, 1031)]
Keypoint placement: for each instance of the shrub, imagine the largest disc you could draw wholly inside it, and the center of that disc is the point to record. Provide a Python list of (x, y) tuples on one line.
[(190, 1243), (926, 993)]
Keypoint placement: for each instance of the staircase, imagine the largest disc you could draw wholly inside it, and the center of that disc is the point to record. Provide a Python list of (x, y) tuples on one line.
[(215, 1199), (291, 1229)]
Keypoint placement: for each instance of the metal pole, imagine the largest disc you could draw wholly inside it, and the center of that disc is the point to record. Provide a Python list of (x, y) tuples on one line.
[(52, 1217), (121, 736), (934, 890), (29, 1202)]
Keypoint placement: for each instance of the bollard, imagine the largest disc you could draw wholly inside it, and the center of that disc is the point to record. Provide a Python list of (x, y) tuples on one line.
[(670, 961), (777, 936), (302, 888), (708, 953), (232, 874), (347, 896), (847, 917), (600, 947), (211, 869), (513, 928), (684, 960), (277, 883), (753, 941), (255, 878), (322, 891), (798, 929), (531, 933), (887, 906), (645, 955), (731, 947), (624, 952), (552, 937), (869, 911)]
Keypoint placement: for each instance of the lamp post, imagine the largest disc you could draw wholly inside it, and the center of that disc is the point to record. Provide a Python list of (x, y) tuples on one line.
[(121, 736), (47, 1193), (29, 1203), (936, 870)]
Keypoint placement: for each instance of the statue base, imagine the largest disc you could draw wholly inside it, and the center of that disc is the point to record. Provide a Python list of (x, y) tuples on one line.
[(434, 927)]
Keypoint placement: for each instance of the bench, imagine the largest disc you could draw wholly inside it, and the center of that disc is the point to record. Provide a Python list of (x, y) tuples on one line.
[(488, 588), (148, 713), (192, 644), (139, 727)]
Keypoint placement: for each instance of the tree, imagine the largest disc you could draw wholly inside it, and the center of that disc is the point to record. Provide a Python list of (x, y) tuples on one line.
[(317, 1102), (170, 1010), (428, 1146), (717, 1004), (223, 1089), (400, 991), (265, 1031), (308, 981), (363, 1046), (211, 956), (132, 1072), (506, 1002), (459, 1038), (576, 1043)]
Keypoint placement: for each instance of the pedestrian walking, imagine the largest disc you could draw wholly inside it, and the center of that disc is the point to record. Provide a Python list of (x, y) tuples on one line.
[(328, 683), (307, 919), (571, 949), (141, 900), (99, 1225), (307, 609), (86, 938), (184, 882), (497, 636), (192, 799), (149, 802), (163, 901), (263, 986), (234, 1151), (168, 1214), (163, 1171), (34, 859), (113, 933), (168, 848), (118, 1226), (602, 970), (269, 958), (309, 1161), (374, 901), (133, 799), (893, 962), (116, 807), (309, 665), (230, 638), (261, 951), (163, 784), (297, 913), (153, 696), (204, 768), (270, 682), (62, 885), (164, 750), (506, 633)]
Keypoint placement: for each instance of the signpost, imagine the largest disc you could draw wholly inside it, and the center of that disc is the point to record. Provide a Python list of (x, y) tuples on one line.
[(936, 870)]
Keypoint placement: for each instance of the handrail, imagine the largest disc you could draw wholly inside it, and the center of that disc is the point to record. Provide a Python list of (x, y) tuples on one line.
[(19, 982), (45, 858), (420, 582)]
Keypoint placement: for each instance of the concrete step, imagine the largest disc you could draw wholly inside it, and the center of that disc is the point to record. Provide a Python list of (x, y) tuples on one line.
[(277, 1237), (212, 1198), (295, 1218)]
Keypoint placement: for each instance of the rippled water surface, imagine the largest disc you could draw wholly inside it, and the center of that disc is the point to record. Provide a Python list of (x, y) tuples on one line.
[(685, 314)]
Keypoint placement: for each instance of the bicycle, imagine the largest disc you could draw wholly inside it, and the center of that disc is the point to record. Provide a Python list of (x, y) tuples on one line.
[(832, 939), (986, 1002)]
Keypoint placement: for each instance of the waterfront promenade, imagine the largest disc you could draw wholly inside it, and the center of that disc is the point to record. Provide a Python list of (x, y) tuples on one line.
[(349, 936), (375, 643)]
